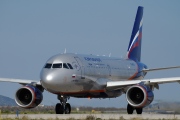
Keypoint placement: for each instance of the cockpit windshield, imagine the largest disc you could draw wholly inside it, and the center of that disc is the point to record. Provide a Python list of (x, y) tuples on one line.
[(58, 65)]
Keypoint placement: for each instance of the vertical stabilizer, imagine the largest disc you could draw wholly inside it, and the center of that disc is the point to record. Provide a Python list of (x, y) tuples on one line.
[(134, 49)]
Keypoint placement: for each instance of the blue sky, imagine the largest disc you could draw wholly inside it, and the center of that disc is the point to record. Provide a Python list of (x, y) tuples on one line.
[(33, 31)]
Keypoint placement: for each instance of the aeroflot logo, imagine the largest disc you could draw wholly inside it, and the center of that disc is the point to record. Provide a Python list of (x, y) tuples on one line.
[(93, 59)]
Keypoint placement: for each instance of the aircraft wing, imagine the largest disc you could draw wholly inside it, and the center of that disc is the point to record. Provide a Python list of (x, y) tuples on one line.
[(153, 82), (20, 81)]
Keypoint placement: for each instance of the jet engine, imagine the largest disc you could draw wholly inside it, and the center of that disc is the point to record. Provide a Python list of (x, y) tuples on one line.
[(139, 96), (28, 96)]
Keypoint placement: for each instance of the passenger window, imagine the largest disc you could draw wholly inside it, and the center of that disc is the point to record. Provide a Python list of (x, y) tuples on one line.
[(65, 66), (70, 66), (57, 65), (48, 65)]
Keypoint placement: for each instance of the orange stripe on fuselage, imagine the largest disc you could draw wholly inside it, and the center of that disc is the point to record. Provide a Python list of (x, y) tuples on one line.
[(81, 92)]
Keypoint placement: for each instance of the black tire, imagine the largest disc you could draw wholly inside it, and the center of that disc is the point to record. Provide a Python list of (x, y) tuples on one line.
[(67, 108), (59, 108), (139, 110), (130, 109)]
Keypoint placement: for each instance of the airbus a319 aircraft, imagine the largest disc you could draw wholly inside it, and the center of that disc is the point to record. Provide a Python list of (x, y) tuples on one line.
[(89, 76)]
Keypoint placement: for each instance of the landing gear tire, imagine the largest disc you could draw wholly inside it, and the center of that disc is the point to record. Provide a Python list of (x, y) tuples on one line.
[(130, 109), (63, 106), (59, 108), (139, 110), (67, 108)]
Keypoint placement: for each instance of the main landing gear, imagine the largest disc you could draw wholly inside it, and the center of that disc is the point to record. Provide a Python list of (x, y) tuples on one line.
[(130, 109), (63, 107)]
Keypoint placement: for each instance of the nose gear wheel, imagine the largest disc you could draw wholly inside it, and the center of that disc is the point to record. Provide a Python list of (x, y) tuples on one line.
[(63, 107)]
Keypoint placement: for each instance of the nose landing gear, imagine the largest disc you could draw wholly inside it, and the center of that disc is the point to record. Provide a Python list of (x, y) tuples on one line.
[(63, 107)]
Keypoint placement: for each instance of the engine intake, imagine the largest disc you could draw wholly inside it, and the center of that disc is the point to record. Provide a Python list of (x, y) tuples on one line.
[(28, 96), (139, 96)]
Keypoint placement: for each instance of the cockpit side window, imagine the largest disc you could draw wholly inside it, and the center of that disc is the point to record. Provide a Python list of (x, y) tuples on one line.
[(65, 66), (57, 65), (48, 65), (70, 66)]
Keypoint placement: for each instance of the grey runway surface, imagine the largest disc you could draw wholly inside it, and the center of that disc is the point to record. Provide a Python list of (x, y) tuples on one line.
[(102, 116)]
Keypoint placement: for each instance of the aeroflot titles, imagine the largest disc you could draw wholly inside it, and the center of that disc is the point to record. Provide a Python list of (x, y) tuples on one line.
[(92, 59)]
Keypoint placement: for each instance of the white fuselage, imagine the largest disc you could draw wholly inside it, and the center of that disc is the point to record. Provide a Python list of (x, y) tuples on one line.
[(88, 75)]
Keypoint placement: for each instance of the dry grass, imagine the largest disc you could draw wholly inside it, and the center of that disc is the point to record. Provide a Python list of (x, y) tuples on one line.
[(88, 117)]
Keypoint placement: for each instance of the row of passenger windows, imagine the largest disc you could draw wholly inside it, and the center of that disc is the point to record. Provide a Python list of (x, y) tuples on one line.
[(106, 68), (59, 65)]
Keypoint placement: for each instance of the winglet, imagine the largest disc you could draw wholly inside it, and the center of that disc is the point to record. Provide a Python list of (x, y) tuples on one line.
[(134, 49)]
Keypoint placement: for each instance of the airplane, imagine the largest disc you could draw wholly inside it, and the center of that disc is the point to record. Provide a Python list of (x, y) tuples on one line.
[(89, 76)]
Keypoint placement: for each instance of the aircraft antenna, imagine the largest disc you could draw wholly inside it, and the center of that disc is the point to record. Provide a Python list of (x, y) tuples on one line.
[(65, 51)]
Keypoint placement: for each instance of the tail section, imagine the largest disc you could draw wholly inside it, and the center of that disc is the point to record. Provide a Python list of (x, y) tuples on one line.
[(134, 49)]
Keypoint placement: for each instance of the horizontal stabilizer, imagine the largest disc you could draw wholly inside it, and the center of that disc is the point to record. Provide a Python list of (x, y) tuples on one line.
[(163, 68)]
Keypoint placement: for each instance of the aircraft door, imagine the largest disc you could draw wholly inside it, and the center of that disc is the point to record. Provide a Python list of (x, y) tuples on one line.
[(81, 66)]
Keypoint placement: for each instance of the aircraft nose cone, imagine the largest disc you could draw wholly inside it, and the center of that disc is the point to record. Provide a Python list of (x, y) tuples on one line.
[(53, 80)]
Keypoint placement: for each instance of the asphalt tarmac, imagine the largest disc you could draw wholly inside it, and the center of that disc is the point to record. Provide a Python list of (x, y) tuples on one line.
[(84, 116)]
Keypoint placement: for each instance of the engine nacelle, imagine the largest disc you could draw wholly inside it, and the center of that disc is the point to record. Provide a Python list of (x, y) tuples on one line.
[(139, 96), (28, 96)]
